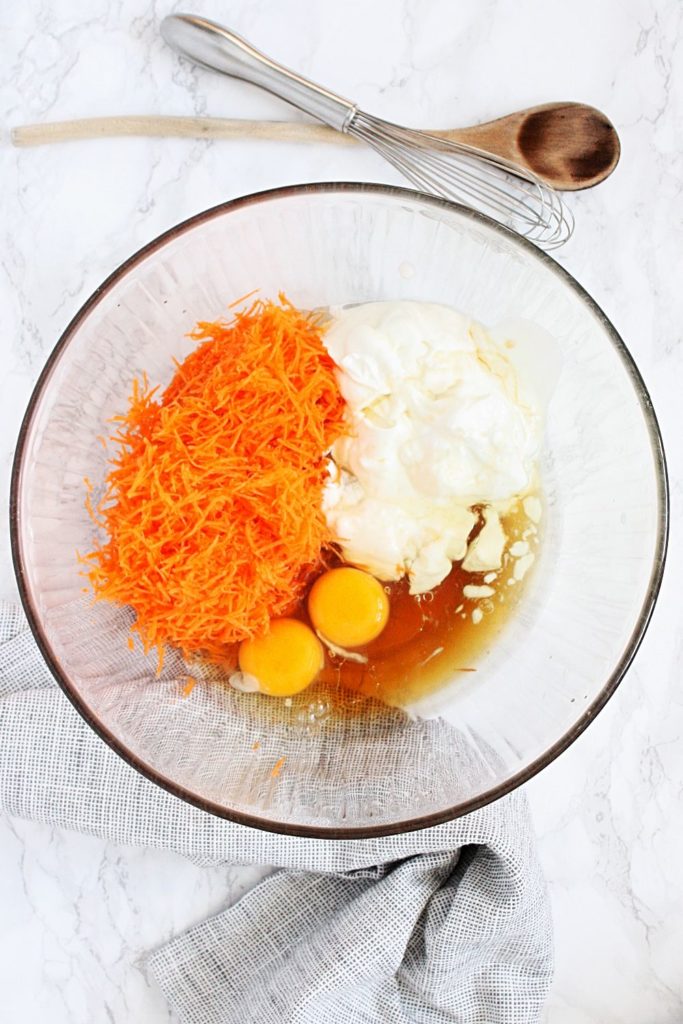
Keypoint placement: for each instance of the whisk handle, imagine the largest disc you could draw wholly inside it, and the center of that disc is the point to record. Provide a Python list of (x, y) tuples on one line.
[(216, 47)]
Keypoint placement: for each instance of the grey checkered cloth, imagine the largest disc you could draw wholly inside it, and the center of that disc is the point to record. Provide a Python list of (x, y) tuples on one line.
[(448, 924)]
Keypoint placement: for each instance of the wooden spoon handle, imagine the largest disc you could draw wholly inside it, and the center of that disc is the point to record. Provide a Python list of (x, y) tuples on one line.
[(186, 128), (174, 127)]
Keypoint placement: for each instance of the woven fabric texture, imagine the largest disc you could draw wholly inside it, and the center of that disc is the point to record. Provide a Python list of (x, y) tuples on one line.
[(448, 924)]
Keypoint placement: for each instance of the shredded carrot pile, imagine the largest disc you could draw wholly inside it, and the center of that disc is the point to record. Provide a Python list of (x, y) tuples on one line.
[(212, 506)]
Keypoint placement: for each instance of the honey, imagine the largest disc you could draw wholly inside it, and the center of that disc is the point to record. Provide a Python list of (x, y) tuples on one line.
[(432, 637)]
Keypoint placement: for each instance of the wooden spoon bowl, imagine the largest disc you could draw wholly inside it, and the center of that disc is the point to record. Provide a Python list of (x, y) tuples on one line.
[(569, 145)]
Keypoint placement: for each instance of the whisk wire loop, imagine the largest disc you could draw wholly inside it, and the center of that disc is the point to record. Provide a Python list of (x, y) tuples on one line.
[(467, 175)]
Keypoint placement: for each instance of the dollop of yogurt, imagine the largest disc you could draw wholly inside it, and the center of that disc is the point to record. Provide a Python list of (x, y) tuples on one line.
[(438, 425)]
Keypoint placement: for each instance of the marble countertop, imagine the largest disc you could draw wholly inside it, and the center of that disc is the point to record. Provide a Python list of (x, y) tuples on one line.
[(77, 912)]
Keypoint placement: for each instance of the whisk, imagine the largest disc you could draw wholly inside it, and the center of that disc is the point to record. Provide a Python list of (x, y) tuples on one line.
[(454, 171)]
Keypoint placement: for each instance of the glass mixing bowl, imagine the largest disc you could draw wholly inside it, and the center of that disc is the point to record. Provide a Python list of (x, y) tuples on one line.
[(560, 657)]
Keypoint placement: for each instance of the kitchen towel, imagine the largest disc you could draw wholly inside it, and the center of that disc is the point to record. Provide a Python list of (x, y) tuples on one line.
[(447, 924)]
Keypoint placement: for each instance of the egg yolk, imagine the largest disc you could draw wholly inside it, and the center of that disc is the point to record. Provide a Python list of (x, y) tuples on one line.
[(348, 607), (284, 661)]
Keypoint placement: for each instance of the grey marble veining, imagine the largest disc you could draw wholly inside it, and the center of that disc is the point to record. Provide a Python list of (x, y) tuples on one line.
[(78, 913)]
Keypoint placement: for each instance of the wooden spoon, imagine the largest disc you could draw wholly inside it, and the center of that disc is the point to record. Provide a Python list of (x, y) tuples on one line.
[(569, 145)]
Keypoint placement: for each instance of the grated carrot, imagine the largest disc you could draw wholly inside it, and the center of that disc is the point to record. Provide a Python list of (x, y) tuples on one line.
[(190, 683), (212, 507), (277, 767)]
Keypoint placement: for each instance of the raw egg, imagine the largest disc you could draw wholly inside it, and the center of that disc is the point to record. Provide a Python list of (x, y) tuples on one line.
[(284, 661), (348, 607)]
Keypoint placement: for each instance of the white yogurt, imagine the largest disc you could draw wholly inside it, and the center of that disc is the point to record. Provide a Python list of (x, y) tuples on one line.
[(438, 422)]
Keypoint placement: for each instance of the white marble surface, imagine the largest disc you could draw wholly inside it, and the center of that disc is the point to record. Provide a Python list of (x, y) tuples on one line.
[(77, 912)]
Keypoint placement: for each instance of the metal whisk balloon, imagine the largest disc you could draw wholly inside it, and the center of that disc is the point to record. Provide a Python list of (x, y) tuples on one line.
[(461, 173)]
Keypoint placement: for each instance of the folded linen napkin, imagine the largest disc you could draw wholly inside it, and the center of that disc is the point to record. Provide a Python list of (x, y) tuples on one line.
[(446, 924)]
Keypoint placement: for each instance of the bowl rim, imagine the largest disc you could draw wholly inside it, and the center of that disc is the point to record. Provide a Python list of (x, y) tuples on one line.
[(337, 832)]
